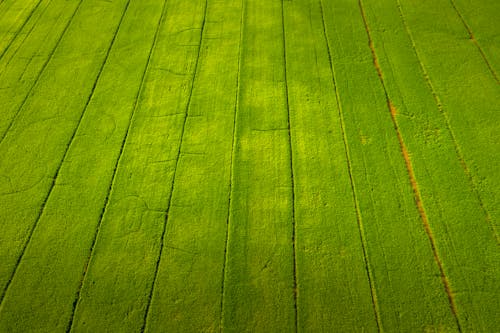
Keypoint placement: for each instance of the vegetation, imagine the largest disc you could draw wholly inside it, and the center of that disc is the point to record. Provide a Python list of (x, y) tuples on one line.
[(260, 166)]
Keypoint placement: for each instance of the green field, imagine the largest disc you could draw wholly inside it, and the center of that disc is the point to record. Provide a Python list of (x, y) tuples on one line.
[(249, 166)]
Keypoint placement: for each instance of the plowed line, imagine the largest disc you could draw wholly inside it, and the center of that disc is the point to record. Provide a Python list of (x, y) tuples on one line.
[(18, 261), (49, 58), (411, 174), (359, 220), (231, 172), (186, 113), (76, 302), (439, 105)]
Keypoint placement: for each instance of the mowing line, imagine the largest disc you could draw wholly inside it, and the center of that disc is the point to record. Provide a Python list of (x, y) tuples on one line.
[(294, 225), (442, 110), (20, 29), (411, 174), (474, 40), (2, 296), (364, 244), (3, 135), (76, 301), (186, 113), (231, 169)]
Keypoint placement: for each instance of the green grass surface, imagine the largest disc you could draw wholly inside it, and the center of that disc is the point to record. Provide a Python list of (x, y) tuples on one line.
[(249, 166)]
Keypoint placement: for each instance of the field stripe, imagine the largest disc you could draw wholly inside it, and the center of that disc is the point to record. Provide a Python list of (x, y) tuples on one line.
[(54, 178), (111, 184), (452, 75), (4, 132), (328, 247), (387, 203), (231, 169), (135, 213), (446, 117), (19, 19), (474, 40), (28, 18), (259, 293), (43, 162), (294, 222), (362, 236), (481, 18), (10, 53), (4, 7), (202, 178), (411, 174), (455, 214), (91, 95), (21, 66), (30, 233), (172, 186)]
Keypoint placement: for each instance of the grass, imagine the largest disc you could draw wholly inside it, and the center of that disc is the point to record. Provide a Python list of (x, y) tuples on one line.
[(260, 166)]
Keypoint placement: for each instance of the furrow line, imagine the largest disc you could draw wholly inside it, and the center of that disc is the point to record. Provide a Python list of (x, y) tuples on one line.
[(442, 110), (231, 172), (186, 112), (54, 178), (411, 174), (3, 135), (474, 40), (20, 29), (24, 39), (364, 243), (294, 222), (76, 301), (18, 261)]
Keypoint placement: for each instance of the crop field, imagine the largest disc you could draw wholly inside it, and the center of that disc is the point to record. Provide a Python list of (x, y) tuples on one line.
[(249, 166)]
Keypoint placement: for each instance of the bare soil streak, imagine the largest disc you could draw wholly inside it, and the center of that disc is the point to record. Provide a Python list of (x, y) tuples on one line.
[(439, 105), (411, 174)]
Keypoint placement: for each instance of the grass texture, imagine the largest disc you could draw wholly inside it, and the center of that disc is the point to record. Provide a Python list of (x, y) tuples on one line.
[(249, 166)]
